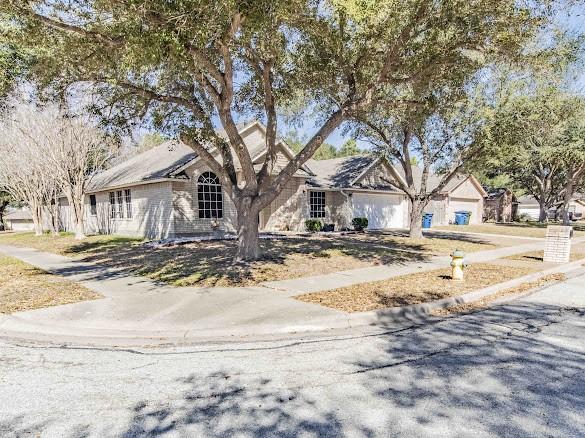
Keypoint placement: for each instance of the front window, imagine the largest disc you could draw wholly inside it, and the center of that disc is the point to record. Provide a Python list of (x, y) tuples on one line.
[(112, 205), (92, 205), (128, 200), (209, 196), (119, 205), (317, 204)]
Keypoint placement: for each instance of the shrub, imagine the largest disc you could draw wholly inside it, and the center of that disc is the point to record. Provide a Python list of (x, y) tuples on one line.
[(524, 217), (313, 225), (359, 223)]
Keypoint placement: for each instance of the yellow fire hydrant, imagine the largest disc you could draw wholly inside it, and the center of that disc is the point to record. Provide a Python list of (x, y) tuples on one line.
[(457, 265)]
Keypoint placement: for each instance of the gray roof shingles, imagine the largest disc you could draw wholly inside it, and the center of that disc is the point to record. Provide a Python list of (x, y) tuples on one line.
[(154, 164), (338, 173), (20, 214)]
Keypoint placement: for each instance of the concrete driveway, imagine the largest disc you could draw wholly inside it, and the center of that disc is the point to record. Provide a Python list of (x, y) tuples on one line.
[(513, 370)]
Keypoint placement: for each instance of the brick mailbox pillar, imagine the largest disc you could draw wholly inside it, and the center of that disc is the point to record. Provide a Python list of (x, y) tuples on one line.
[(557, 248)]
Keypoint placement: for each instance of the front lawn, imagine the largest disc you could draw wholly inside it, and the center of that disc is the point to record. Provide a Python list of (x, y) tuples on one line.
[(65, 243), (211, 263), (521, 229), (24, 287), (414, 288)]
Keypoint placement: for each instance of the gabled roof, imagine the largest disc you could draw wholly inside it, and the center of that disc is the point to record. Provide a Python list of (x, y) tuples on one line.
[(165, 161), (435, 179)]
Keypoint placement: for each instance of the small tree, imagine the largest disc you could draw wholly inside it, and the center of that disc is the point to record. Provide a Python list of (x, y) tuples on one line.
[(442, 139), (76, 151)]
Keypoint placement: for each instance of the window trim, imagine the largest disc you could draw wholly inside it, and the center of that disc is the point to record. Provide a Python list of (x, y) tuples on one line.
[(317, 210), (210, 203)]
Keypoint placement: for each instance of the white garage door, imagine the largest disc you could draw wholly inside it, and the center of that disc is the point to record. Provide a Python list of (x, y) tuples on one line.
[(382, 211), (457, 204), (20, 225)]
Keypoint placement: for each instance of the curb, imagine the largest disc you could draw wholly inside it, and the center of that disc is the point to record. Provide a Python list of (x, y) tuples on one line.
[(15, 328)]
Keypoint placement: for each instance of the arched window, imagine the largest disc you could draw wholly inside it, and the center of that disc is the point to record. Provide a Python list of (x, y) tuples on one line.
[(209, 196)]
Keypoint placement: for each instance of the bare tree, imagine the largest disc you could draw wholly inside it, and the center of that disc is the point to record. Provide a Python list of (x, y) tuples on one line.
[(45, 153), (23, 169), (76, 150)]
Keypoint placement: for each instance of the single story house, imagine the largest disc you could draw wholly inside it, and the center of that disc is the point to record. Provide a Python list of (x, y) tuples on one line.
[(500, 205), (461, 193), (529, 207), (168, 191), (19, 220)]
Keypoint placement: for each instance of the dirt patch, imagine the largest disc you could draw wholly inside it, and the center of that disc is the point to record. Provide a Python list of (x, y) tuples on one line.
[(24, 287), (486, 301), (414, 288)]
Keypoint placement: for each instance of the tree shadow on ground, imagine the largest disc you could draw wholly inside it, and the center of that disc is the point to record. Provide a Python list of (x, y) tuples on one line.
[(211, 263), (492, 372), (221, 405)]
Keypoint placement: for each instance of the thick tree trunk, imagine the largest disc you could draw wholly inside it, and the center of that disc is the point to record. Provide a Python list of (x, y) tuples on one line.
[(248, 240), (566, 201), (543, 215), (416, 214)]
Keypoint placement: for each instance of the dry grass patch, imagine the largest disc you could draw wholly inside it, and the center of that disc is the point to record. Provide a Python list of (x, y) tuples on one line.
[(24, 287), (538, 256), (65, 243), (211, 263), (522, 229), (486, 301), (414, 288)]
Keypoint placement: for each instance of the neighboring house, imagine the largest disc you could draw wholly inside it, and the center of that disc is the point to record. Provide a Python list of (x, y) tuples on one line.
[(461, 193), (169, 191), (528, 206), (500, 205), (19, 220)]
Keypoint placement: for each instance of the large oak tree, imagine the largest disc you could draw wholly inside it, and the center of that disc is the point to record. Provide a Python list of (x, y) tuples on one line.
[(191, 65)]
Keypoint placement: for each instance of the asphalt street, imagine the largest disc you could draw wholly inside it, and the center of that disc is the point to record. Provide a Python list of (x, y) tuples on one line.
[(515, 369)]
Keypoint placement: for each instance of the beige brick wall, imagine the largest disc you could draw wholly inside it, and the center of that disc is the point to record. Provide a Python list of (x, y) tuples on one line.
[(152, 213), (289, 210), (338, 209), (186, 208), (557, 247)]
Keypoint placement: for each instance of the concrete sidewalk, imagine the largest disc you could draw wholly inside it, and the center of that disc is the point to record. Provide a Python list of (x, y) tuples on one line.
[(136, 307)]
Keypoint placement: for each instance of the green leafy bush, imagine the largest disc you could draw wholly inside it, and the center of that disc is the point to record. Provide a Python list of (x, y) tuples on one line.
[(359, 223), (313, 225)]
